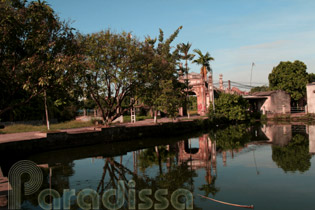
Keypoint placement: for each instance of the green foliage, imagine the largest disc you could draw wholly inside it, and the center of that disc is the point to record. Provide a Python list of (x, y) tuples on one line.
[(204, 61), (290, 77), (231, 107), (171, 97), (150, 157), (185, 55), (311, 77), (162, 90), (259, 89), (38, 52), (184, 49), (232, 137), (114, 71), (294, 156)]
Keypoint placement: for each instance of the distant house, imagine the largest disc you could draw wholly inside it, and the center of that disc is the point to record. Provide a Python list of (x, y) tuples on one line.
[(270, 102), (310, 93)]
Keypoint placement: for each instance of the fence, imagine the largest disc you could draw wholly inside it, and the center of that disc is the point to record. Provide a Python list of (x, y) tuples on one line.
[(87, 112), (298, 109)]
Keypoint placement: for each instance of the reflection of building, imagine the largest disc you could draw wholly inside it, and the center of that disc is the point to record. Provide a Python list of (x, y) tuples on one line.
[(202, 157), (278, 134), (197, 157), (270, 102), (4, 188), (311, 130)]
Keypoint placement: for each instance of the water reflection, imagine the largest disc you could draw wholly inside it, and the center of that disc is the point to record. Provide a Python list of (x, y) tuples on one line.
[(205, 164), (294, 156)]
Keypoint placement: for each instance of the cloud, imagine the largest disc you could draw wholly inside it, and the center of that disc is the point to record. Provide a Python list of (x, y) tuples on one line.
[(268, 45), (235, 63)]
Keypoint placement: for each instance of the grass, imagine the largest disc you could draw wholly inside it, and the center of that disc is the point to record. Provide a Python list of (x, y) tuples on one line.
[(127, 118), (28, 128), (193, 112)]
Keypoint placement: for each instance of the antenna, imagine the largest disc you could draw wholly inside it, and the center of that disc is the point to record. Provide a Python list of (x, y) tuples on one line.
[(251, 72)]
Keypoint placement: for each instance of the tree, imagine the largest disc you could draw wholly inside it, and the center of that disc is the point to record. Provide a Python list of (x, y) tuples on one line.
[(230, 107), (171, 97), (293, 157), (114, 71), (37, 52), (204, 61), (311, 77), (184, 49), (162, 91), (259, 89), (232, 137), (290, 77)]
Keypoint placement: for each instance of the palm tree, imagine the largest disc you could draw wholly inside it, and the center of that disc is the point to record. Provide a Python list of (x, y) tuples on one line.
[(184, 48), (203, 60)]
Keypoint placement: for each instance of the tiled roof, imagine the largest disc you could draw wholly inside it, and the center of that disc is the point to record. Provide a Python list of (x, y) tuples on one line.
[(264, 93)]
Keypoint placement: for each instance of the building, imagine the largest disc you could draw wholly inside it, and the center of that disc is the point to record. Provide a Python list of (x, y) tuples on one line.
[(310, 93), (270, 102)]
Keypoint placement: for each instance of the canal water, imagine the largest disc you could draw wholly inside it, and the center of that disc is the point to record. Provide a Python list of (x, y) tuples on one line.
[(268, 166)]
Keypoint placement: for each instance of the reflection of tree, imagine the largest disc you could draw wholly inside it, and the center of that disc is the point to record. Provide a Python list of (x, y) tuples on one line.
[(210, 188), (294, 156), (232, 137), (116, 172), (58, 181), (176, 177), (154, 156)]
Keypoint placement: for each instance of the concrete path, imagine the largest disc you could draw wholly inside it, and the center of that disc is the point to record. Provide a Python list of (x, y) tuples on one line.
[(12, 137)]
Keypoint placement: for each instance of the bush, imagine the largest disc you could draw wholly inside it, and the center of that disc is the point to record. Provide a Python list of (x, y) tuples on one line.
[(229, 107)]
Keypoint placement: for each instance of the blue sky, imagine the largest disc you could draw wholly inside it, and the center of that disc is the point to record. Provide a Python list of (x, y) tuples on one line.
[(235, 32)]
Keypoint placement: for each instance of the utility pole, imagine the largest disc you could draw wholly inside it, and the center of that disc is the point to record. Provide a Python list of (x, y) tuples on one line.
[(251, 72), (211, 88)]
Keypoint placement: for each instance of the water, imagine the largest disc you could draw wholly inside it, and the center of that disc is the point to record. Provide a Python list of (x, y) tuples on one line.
[(270, 167)]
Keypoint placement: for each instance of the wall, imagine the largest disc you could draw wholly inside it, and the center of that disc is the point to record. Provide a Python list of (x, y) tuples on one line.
[(62, 140), (278, 134), (310, 92), (311, 131), (274, 103)]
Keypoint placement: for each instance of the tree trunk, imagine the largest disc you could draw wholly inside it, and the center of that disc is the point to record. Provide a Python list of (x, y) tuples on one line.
[(155, 116), (187, 95), (159, 159), (46, 110)]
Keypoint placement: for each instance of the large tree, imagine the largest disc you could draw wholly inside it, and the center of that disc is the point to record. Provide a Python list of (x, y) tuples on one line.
[(162, 91), (38, 52), (290, 77), (114, 71)]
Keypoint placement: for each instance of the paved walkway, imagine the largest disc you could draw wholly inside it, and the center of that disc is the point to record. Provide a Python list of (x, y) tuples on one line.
[(5, 138)]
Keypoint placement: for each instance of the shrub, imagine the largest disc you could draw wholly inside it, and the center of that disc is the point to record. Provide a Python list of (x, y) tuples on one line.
[(230, 107)]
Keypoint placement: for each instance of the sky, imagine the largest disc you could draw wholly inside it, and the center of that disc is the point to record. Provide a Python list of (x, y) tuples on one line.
[(235, 32)]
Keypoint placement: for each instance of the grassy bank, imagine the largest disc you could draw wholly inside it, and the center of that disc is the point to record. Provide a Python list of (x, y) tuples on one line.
[(127, 118), (305, 118), (28, 128)]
